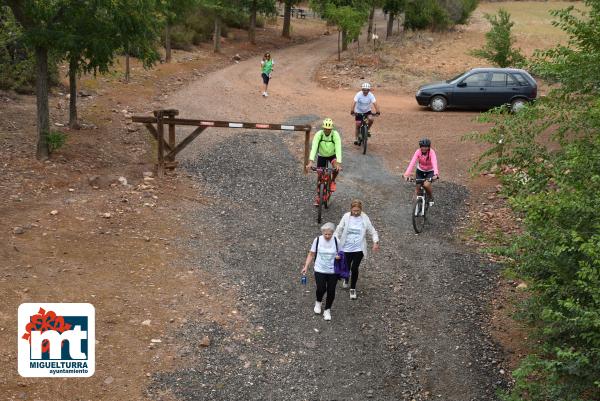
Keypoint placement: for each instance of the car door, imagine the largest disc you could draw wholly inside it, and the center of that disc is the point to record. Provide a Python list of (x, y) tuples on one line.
[(471, 91), (500, 91)]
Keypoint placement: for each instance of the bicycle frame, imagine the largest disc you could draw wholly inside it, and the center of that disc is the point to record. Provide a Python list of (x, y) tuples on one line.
[(363, 131), (324, 177), (420, 205)]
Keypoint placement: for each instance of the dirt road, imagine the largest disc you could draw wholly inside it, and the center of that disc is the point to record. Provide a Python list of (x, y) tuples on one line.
[(418, 328)]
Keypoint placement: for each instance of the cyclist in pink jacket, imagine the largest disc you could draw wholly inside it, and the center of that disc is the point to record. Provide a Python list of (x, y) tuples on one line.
[(427, 167)]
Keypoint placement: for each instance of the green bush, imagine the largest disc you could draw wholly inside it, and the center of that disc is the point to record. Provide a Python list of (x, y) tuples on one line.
[(56, 140), (202, 25), (428, 14), (499, 48), (17, 61), (261, 21), (199, 26), (237, 19), (468, 6), (549, 156), (182, 37)]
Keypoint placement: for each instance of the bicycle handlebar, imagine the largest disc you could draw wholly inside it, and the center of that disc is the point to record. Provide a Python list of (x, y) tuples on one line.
[(323, 169), (422, 180), (365, 114)]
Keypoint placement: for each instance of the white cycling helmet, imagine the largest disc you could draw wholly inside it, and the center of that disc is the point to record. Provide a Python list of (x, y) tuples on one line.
[(366, 85)]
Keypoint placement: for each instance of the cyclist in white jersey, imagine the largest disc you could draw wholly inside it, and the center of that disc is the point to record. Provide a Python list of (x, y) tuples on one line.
[(364, 104)]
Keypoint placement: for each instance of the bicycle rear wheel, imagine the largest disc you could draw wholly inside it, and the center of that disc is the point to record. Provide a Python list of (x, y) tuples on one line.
[(418, 215), (321, 201), (364, 136)]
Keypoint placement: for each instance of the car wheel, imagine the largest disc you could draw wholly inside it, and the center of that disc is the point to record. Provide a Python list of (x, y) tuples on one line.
[(438, 103), (517, 104)]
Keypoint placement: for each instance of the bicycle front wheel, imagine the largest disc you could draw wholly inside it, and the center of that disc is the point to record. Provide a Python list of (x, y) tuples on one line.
[(364, 136), (321, 201), (418, 215)]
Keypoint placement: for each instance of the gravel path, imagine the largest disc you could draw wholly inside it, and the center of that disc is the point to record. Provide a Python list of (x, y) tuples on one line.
[(415, 332)]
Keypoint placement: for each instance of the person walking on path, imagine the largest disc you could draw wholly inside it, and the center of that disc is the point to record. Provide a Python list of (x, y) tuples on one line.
[(324, 251), (266, 67), (352, 232)]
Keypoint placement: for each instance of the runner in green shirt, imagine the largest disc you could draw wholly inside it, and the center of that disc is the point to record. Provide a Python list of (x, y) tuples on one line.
[(327, 146), (266, 67)]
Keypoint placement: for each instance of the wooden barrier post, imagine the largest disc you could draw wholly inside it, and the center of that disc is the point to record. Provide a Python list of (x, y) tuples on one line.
[(161, 147), (170, 162), (306, 149)]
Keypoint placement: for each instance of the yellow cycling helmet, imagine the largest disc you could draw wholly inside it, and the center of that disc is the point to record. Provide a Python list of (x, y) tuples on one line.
[(328, 123)]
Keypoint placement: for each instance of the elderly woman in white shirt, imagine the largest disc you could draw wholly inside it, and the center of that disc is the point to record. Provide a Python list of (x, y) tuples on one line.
[(352, 232), (324, 250)]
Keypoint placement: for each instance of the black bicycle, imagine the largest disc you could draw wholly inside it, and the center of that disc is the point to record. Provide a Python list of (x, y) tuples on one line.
[(420, 205), (363, 131)]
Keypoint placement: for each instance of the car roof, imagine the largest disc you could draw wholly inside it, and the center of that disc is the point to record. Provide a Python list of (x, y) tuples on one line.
[(497, 69)]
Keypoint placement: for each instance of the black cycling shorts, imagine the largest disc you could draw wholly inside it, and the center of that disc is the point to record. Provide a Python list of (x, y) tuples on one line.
[(322, 160), (424, 174), (359, 116)]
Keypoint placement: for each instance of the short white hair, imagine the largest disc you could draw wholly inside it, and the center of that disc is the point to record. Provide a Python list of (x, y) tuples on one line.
[(328, 227)]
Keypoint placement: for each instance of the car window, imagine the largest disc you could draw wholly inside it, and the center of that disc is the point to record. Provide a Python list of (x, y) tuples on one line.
[(510, 81), (455, 78), (478, 79), (499, 79), (521, 79)]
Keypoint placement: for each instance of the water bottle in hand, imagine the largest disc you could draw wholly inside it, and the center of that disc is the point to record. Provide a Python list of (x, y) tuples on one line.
[(304, 279)]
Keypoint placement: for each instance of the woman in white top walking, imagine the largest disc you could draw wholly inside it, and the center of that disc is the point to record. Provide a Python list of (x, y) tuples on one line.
[(325, 248), (352, 232)]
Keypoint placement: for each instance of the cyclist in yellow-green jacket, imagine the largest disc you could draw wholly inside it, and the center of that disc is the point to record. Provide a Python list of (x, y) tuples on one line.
[(327, 146)]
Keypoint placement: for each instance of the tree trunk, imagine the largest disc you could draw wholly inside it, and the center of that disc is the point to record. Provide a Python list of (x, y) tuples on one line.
[(371, 17), (344, 41), (339, 47), (73, 123), (127, 68), (168, 43), (252, 28), (217, 35), (390, 25), (287, 15), (43, 113)]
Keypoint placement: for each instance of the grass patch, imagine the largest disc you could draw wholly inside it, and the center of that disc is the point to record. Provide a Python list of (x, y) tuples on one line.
[(533, 22)]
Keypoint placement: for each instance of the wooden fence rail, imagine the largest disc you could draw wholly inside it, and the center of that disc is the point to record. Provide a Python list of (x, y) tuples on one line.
[(168, 117)]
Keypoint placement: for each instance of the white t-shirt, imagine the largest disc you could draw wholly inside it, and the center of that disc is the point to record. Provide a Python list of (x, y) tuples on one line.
[(354, 234), (363, 103), (325, 256)]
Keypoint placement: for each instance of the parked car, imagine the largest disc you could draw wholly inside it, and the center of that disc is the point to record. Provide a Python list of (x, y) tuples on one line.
[(480, 88)]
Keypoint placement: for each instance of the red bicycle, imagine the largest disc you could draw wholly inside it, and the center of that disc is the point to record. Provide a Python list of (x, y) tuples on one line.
[(324, 179)]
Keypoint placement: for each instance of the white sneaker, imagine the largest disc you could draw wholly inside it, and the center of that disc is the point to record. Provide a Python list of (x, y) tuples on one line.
[(327, 314), (345, 284), (266, 94), (431, 203), (317, 307), (352, 294)]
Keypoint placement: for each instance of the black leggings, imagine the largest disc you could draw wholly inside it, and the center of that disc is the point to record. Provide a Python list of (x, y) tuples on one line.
[(353, 259), (326, 284)]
